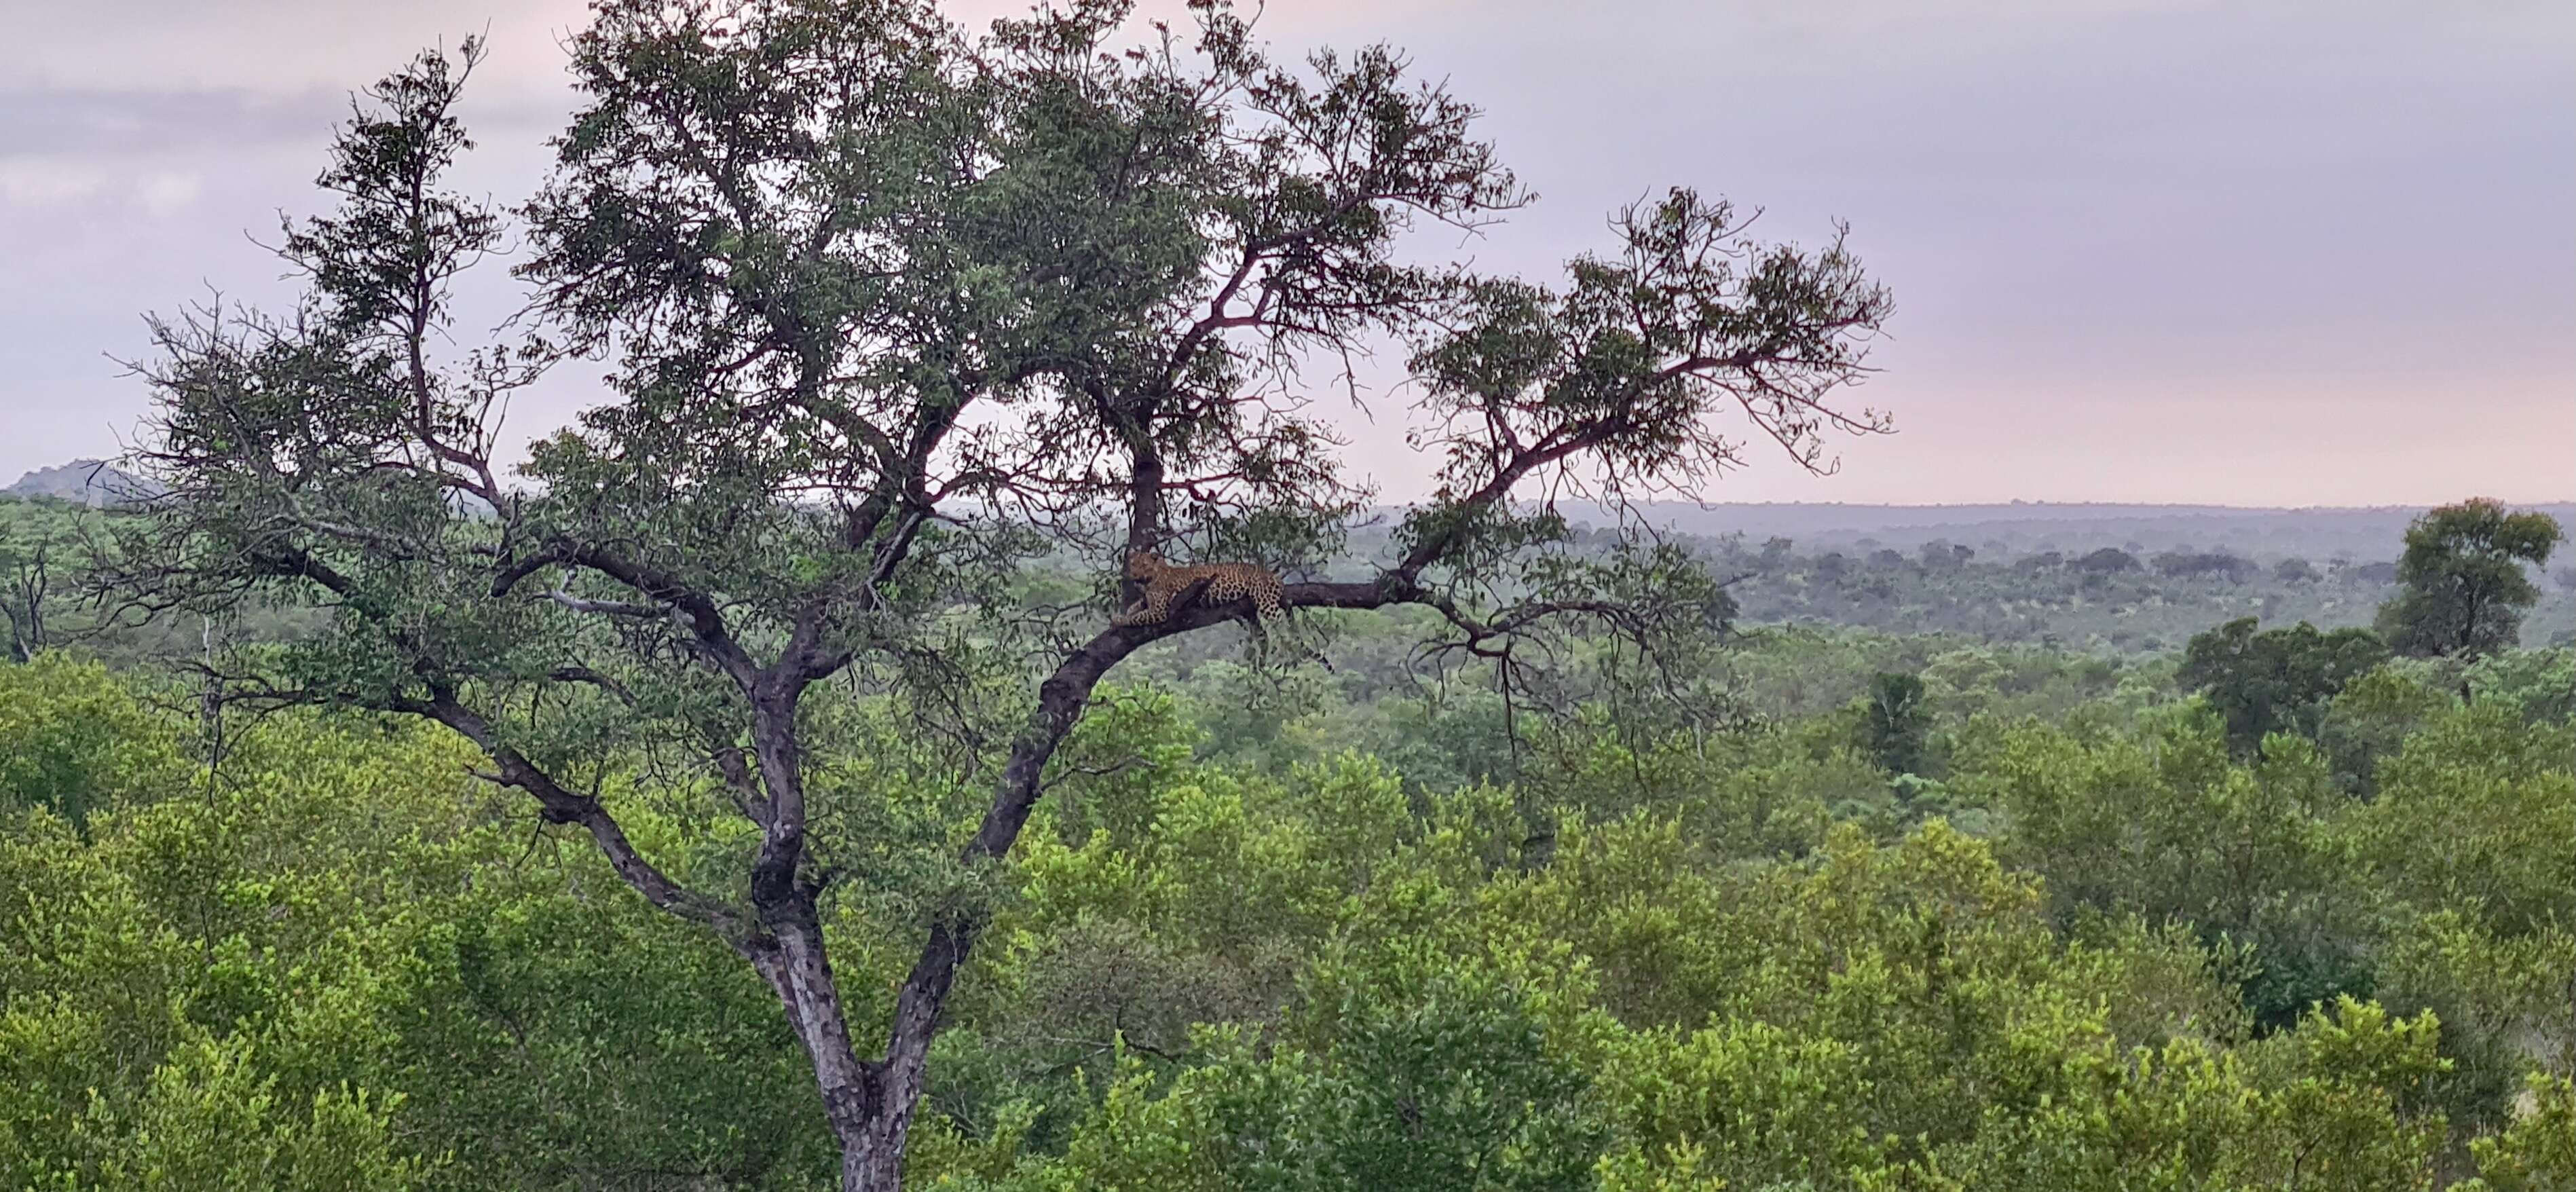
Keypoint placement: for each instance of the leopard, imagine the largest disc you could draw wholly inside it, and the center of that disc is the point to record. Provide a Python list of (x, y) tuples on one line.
[(1168, 586)]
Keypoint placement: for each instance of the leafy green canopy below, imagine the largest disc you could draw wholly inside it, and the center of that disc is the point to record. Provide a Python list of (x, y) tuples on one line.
[(1314, 975)]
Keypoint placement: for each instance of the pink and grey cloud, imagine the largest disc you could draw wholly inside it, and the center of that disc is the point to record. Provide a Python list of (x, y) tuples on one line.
[(2272, 253)]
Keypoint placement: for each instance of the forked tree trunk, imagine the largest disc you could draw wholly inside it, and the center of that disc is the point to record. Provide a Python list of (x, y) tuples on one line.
[(870, 1103)]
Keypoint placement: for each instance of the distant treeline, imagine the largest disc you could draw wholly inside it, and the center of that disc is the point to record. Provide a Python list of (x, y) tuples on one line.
[(2264, 535)]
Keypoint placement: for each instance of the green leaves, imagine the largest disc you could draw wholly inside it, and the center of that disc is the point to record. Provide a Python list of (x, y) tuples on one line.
[(2471, 813), (1630, 366), (334, 966), (345, 964), (2465, 581), (2275, 681), (2538, 1152), (75, 741), (382, 261)]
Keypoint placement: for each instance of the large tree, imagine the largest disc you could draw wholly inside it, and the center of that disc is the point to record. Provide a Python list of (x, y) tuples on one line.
[(2465, 579), (893, 316)]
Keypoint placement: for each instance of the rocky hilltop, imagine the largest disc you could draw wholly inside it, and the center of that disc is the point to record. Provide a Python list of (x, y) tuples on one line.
[(92, 482)]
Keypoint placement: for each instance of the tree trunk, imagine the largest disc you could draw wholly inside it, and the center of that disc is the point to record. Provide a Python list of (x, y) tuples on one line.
[(869, 1119), (872, 1153), (870, 1103)]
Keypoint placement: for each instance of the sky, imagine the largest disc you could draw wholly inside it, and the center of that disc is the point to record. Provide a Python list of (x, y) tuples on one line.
[(2284, 253)]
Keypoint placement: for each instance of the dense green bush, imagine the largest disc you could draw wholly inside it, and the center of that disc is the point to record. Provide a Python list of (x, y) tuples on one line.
[(1248, 951)]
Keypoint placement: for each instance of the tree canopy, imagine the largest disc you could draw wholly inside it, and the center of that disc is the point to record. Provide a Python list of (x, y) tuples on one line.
[(892, 311), (2465, 579), (2277, 680), (325, 956)]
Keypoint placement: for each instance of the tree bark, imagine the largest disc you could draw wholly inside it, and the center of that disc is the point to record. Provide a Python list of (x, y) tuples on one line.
[(789, 953)]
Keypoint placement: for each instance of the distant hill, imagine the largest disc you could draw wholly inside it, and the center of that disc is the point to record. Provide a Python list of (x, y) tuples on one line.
[(90, 482)]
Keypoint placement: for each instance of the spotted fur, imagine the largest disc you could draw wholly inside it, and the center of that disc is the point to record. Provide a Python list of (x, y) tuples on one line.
[(1167, 586)]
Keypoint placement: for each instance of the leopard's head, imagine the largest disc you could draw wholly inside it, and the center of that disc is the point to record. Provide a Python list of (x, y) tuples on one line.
[(1144, 565)]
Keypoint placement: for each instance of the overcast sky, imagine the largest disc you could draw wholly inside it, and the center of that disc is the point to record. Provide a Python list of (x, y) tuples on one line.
[(2143, 250)]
